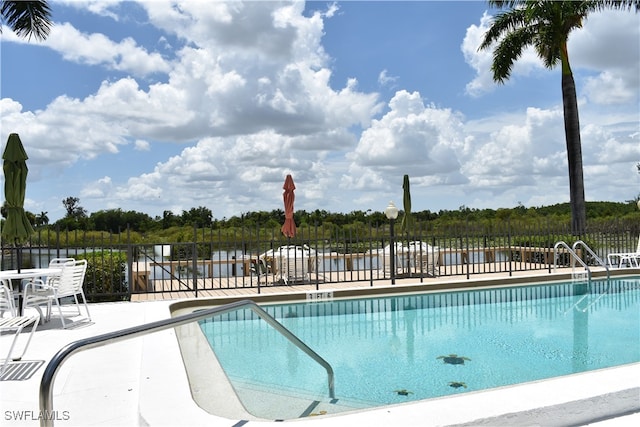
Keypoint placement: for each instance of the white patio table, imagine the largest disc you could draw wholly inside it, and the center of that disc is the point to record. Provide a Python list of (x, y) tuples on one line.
[(28, 273)]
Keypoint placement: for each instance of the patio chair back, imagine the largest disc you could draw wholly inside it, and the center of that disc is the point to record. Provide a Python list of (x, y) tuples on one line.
[(294, 269), (67, 284), (6, 298), (72, 278)]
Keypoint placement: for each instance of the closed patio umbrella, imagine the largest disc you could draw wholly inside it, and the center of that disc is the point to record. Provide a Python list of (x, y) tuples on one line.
[(17, 228), (407, 219), (289, 226)]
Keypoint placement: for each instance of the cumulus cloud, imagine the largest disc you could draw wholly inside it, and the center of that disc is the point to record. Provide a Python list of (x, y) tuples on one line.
[(590, 48), (100, 188), (246, 96), (517, 154), (528, 162), (97, 49), (608, 88), (423, 141), (242, 69), (608, 148), (603, 46), (98, 7), (233, 171), (481, 60)]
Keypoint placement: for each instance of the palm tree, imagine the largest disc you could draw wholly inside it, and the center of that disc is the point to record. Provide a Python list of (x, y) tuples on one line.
[(546, 25), (27, 18), (42, 219)]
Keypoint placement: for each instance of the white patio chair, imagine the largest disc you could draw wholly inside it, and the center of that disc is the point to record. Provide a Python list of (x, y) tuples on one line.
[(68, 284), (17, 324), (6, 299), (631, 258), (384, 263), (58, 262), (429, 262), (14, 323), (294, 269), (260, 269)]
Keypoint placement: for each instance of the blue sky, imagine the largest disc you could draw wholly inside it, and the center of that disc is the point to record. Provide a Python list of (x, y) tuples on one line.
[(154, 106)]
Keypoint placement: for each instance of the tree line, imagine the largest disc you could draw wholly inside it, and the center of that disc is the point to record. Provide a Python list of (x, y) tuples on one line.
[(118, 220)]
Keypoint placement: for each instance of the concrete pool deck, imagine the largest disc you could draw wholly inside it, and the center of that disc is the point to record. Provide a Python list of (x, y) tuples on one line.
[(142, 381)]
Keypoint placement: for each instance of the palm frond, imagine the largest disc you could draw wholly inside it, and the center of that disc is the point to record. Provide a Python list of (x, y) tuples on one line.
[(618, 4), (27, 18), (508, 51), (502, 4), (548, 46), (503, 23)]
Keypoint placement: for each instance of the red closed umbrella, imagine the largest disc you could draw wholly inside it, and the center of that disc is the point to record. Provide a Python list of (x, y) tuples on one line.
[(289, 226)]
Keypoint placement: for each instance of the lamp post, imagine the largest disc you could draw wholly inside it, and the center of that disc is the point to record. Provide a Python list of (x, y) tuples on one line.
[(391, 213)]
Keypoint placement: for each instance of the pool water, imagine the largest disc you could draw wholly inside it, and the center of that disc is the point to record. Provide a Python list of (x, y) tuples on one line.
[(395, 349)]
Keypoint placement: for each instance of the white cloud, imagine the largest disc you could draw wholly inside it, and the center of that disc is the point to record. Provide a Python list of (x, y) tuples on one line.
[(98, 49), (97, 189), (231, 172), (233, 84), (602, 45), (518, 154), (608, 45), (609, 149), (247, 97), (384, 79), (60, 135), (528, 162), (480, 61), (142, 145), (608, 39), (609, 88), (422, 141), (98, 7)]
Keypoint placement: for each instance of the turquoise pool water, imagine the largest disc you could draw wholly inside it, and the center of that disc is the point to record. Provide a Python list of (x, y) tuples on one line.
[(395, 349)]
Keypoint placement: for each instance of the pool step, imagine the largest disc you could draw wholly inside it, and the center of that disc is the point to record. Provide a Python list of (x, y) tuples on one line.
[(328, 407), (286, 405)]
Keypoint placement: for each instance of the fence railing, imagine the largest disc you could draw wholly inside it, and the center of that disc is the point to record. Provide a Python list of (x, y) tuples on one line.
[(214, 260)]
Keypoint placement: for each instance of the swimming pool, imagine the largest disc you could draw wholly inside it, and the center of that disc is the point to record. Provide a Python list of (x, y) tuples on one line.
[(420, 346)]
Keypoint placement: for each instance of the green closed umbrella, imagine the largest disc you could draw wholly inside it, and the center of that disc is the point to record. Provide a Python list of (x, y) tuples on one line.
[(407, 219), (17, 228)]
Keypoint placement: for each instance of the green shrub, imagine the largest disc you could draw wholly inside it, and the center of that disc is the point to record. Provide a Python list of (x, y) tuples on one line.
[(105, 279)]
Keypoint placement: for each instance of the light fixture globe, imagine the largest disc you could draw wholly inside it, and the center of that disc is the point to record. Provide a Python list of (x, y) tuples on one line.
[(391, 211)]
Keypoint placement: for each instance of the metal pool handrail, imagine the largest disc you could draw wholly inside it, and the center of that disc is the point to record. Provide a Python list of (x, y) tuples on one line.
[(48, 378), (593, 254), (574, 256)]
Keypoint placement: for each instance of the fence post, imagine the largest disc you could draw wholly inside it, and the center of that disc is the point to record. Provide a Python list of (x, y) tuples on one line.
[(550, 233), (371, 254), (129, 263), (316, 264), (194, 261), (509, 256), (57, 241), (469, 258)]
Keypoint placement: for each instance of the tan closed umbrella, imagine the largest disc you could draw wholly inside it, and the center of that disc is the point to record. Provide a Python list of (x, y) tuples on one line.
[(289, 226)]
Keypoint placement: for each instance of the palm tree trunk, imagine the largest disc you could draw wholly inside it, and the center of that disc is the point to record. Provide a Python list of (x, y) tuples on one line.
[(574, 155)]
